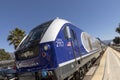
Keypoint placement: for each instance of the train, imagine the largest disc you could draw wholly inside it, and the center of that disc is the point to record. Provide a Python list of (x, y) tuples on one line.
[(57, 50)]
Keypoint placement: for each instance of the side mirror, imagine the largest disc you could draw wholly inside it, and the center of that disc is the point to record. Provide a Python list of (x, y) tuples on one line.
[(68, 34)]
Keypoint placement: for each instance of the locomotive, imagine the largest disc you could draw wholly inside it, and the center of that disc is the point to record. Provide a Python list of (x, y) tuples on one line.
[(57, 50)]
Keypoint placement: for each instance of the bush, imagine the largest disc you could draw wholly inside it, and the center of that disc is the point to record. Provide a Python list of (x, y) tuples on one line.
[(4, 55)]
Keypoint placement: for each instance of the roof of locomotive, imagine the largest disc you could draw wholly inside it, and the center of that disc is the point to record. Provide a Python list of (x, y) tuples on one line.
[(53, 30)]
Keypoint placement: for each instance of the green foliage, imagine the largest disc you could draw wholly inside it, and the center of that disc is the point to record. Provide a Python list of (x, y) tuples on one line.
[(116, 40), (15, 36), (4, 55), (118, 29)]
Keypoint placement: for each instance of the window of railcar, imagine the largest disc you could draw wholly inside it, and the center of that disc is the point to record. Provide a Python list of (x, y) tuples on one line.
[(89, 43), (73, 35), (65, 33)]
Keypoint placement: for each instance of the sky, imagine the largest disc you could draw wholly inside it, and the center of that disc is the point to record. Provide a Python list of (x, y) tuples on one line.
[(97, 17)]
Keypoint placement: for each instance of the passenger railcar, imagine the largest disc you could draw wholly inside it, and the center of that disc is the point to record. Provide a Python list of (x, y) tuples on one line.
[(57, 48)]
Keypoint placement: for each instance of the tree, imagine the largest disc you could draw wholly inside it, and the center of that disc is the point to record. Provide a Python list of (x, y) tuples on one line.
[(116, 40), (118, 29), (4, 55), (15, 36)]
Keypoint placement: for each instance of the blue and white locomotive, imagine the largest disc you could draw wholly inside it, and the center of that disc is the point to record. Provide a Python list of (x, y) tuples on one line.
[(57, 48)]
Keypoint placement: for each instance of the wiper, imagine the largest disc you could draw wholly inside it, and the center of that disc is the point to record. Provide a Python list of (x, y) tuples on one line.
[(34, 40)]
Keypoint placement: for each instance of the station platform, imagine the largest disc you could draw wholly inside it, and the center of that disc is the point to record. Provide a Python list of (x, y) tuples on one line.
[(109, 67)]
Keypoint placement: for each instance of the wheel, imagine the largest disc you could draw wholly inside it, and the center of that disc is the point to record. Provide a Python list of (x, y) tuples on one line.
[(81, 73), (77, 75)]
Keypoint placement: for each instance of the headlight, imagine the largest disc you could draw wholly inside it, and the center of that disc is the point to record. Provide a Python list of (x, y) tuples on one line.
[(47, 47), (44, 73)]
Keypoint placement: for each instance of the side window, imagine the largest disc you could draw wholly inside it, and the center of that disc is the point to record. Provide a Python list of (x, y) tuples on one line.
[(70, 33), (87, 41), (65, 33)]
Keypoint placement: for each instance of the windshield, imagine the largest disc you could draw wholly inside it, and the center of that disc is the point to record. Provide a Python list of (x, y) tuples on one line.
[(35, 35)]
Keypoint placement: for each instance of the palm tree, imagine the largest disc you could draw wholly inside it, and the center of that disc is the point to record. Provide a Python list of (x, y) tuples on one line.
[(15, 37)]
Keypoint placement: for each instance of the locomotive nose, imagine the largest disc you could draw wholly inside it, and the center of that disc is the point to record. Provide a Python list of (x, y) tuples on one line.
[(47, 55)]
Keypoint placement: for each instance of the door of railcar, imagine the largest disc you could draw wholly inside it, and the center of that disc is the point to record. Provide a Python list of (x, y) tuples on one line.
[(74, 42)]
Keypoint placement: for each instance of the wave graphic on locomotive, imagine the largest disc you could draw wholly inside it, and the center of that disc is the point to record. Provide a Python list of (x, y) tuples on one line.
[(57, 48)]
